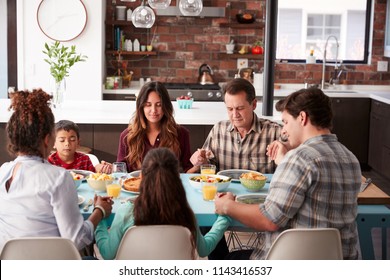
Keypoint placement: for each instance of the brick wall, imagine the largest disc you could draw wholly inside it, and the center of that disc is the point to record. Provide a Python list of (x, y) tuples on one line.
[(185, 43)]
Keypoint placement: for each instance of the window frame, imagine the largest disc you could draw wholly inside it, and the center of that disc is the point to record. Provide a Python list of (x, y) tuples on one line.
[(367, 41)]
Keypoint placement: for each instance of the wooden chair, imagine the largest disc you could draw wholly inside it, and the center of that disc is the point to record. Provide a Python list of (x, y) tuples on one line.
[(307, 244), (157, 242), (40, 248)]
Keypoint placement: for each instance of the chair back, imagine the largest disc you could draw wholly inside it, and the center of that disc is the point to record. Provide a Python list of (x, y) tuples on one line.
[(156, 242), (93, 159), (307, 244), (40, 248)]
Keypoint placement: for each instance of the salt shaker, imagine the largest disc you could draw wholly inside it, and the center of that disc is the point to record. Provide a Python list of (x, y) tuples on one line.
[(128, 14)]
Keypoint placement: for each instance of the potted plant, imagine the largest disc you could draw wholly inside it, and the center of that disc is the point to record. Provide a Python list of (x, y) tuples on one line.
[(257, 47), (60, 59)]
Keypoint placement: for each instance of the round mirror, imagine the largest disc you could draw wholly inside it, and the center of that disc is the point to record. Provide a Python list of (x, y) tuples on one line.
[(143, 17), (159, 4), (190, 7)]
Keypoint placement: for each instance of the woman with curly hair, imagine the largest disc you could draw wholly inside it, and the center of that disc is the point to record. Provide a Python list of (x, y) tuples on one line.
[(162, 201), (36, 197), (152, 126)]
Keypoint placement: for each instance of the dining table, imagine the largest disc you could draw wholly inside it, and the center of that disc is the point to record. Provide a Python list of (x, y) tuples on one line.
[(373, 210)]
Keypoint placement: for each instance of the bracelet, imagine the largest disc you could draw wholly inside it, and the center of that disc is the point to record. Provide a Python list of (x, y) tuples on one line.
[(101, 209)]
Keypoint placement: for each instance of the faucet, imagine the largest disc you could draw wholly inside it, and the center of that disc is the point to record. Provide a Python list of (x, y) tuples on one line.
[(324, 60)]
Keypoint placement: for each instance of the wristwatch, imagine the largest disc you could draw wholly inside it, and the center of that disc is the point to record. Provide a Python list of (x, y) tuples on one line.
[(62, 20)]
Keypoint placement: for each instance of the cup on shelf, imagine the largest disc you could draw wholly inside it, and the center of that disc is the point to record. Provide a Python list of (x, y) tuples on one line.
[(120, 12), (143, 48), (229, 48), (149, 48)]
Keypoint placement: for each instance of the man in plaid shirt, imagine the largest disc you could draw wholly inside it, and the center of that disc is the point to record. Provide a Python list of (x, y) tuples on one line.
[(241, 141)]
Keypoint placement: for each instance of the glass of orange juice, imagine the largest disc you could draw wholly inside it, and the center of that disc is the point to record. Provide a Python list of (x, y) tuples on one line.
[(114, 189), (209, 189), (208, 169)]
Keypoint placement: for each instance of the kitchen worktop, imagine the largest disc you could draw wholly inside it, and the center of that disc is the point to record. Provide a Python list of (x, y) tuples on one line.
[(202, 113)]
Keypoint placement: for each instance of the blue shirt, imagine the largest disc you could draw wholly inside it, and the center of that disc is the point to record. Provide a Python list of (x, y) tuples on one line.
[(108, 241)]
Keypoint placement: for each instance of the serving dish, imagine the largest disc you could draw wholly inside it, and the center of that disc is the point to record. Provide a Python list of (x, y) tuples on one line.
[(251, 198), (236, 173), (223, 182)]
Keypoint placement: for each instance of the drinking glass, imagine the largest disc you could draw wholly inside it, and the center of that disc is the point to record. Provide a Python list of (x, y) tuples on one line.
[(114, 189), (207, 169), (209, 189), (119, 170)]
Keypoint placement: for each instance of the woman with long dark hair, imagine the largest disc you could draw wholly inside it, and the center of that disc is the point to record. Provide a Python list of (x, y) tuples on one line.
[(162, 201), (152, 126)]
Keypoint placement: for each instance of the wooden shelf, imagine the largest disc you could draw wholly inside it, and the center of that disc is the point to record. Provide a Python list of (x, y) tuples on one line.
[(116, 53), (237, 55), (243, 25)]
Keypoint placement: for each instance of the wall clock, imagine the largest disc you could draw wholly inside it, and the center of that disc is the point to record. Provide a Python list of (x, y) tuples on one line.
[(62, 20)]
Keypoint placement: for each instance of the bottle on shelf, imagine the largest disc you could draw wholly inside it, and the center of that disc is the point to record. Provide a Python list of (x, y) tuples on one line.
[(136, 46)]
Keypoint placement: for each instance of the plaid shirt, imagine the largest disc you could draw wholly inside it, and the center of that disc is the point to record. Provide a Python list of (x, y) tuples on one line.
[(315, 185), (81, 162), (233, 152)]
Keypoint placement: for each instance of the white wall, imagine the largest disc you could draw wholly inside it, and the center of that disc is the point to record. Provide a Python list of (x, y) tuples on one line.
[(3, 49), (86, 78)]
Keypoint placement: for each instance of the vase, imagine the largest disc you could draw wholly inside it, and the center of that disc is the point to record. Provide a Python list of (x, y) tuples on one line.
[(58, 93)]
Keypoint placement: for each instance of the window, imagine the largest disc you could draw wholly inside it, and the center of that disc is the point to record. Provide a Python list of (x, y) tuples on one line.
[(304, 25)]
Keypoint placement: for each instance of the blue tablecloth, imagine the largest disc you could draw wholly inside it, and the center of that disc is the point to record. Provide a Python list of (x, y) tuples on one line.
[(204, 210), (369, 216)]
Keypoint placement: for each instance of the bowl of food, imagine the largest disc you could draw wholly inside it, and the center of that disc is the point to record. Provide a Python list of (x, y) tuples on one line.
[(222, 182), (98, 181), (245, 18), (79, 176), (253, 181)]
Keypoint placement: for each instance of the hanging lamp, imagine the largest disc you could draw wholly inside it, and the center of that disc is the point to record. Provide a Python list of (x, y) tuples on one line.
[(143, 17), (159, 4), (190, 7)]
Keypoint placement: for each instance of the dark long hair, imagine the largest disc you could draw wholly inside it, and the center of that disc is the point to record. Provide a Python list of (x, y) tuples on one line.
[(162, 199), (138, 125), (31, 121)]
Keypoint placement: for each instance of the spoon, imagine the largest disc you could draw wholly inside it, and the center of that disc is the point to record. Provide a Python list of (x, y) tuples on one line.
[(89, 204)]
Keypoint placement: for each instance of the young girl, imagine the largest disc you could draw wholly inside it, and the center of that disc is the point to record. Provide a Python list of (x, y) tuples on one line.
[(162, 201), (152, 126)]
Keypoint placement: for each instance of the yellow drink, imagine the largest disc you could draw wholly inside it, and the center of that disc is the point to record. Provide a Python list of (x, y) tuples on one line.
[(208, 171), (113, 190), (209, 192)]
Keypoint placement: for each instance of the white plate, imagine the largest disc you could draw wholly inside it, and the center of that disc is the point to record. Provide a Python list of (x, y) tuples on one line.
[(81, 199), (135, 173), (251, 198), (124, 190), (234, 173)]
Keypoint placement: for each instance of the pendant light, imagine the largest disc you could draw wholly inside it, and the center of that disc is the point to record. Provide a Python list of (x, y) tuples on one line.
[(190, 7), (143, 17), (159, 4)]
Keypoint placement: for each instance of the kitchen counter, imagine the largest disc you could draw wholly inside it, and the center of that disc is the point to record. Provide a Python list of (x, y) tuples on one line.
[(202, 113)]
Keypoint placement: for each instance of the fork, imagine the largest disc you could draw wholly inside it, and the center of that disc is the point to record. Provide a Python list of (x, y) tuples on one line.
[(89, 204)]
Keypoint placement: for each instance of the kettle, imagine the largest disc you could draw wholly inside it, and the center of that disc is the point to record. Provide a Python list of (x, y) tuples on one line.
[(205, 75)]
